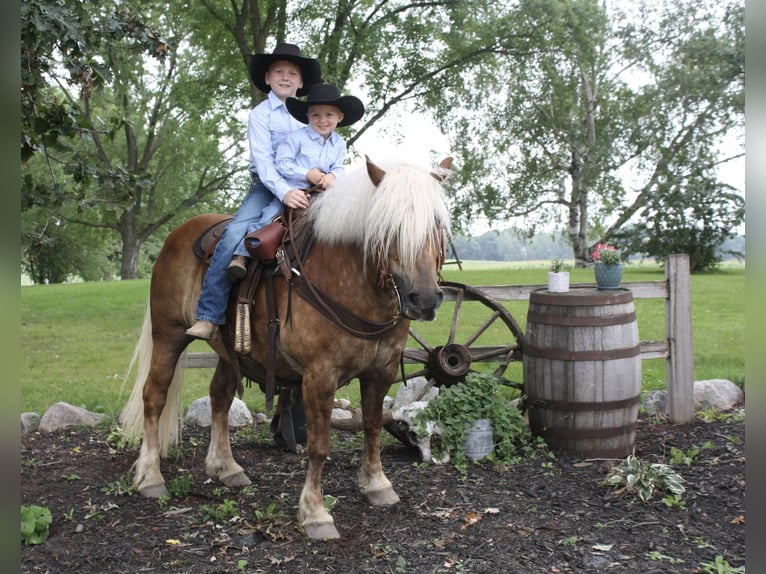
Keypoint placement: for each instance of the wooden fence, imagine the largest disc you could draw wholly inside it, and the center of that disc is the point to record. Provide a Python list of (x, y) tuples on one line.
[(676, 348)]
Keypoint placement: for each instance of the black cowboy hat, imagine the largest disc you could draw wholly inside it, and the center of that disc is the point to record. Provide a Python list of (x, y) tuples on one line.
[(351, 106), (311, 71)]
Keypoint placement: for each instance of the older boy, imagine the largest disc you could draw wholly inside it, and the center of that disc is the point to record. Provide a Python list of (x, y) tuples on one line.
[(282, 74)]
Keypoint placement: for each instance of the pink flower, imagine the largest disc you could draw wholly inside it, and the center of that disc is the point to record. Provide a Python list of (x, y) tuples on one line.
[(606, 254)]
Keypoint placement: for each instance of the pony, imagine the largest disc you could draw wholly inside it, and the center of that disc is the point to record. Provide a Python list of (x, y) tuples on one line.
[(379, 244)]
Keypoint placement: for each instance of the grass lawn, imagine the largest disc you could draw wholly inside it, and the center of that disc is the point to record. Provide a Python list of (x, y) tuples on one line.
[(77, 339)]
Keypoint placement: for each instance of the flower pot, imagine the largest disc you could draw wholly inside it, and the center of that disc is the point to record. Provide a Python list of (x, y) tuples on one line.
[(558, 282), (608, 276), (479, 442)]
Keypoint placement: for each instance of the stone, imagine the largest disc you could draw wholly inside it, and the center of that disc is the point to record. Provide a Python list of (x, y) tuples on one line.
[(29, 422), (62, 415), (717, 394), (199, 413), (655, 403)]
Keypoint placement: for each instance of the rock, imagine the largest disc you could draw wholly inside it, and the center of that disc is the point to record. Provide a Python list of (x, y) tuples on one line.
[(717, 394), (339, 413), (199, 413), (62, 415), (406, 393), (29, 422), (656, 403)]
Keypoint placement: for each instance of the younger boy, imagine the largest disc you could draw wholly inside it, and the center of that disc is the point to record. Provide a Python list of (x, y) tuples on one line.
[(312, 155)]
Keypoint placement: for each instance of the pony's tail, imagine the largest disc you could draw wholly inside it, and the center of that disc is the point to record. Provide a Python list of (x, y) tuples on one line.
[(132, 417)]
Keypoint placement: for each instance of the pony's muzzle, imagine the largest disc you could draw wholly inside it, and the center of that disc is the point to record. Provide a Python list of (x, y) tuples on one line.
[(422, 306)]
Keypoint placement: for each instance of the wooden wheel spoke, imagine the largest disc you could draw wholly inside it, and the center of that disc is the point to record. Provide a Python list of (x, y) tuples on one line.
[(422, 342), (486, 325), (456, 316)]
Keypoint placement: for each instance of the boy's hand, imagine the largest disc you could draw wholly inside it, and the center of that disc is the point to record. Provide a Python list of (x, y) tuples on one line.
[(314, 176), (327, 180), (296, 198)]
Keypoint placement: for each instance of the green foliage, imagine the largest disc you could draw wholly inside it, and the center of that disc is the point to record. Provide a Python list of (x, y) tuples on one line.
[(481, 396), (220, 512), (721, 566), (558, 265), (643, 479), (180, 485), (35, 521), (679, 457)]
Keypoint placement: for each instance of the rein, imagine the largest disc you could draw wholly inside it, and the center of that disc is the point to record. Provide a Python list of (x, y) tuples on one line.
[(334, 311)]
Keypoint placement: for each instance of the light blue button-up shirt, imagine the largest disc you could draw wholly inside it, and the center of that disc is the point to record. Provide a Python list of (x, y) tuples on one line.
[(305, 149), (268, 126)]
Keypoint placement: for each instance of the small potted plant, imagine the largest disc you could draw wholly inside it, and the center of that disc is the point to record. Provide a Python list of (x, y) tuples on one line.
[(558, 276), (607, 266)]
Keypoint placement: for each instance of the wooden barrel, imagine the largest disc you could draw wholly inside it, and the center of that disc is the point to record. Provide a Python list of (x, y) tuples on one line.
[(582, 370)]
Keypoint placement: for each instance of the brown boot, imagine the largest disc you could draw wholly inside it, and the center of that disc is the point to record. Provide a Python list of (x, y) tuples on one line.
[(202, 330), (237, 269)]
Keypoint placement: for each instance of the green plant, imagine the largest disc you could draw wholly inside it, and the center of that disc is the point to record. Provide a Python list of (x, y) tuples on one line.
[(180, 486), (643, 478), (120, 487), (679, 457), (35, 521), (721, 566), (655, 555), (606, 254), (559, 266), (227, 509), (456, 408)]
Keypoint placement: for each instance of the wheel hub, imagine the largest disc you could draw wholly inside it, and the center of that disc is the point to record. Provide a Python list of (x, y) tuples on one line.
[(449, 364)]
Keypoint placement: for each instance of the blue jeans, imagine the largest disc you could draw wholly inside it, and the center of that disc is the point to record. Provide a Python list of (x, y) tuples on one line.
[(267, 215), (216, 288)]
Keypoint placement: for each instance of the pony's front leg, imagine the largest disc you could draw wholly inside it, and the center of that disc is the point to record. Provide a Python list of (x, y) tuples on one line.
[(220, 461), (312, 514), (373, 481), (147, 478)]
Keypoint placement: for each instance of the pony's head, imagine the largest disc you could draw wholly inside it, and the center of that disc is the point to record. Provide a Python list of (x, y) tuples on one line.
[(396, 213)]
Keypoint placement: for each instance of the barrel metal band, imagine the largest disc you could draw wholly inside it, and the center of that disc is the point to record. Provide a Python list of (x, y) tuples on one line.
[(589, 433), (558, 320), (566, 355), (577, 297), (584, 406)]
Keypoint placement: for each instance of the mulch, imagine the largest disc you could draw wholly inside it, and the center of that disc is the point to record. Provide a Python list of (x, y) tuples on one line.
[(543, 515)]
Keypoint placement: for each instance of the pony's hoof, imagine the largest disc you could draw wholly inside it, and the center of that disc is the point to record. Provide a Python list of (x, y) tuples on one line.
[(155, 491), (321, 531), (237, 479), (384, 497)]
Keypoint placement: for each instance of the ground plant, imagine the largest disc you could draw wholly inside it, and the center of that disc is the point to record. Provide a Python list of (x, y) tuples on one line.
[(481, 396), (35, 521), (645, 478)]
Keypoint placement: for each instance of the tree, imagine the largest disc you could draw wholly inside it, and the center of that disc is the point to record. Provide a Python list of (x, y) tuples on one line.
[(127, 141), (604, 115), (112, 158)]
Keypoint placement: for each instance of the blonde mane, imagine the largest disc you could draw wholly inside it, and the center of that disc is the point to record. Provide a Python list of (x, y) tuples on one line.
[(407, 209)]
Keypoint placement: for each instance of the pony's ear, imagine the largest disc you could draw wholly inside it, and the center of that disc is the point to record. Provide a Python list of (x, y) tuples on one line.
[(376, 174), (441, 172)]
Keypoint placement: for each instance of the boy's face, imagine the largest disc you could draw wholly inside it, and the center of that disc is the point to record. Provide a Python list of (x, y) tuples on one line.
[(324, 118), (284, 78)]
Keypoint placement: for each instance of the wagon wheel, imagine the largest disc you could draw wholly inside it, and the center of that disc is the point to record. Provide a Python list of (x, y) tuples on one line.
[(481, 331)]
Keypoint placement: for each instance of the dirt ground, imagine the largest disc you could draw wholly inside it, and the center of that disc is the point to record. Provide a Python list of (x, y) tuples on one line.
[(540, 516)]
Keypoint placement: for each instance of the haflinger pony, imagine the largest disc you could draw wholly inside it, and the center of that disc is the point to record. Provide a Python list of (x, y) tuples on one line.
[(379, 243)]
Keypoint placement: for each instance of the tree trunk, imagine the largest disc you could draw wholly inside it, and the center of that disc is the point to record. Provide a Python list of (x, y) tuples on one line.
[(131, 246)]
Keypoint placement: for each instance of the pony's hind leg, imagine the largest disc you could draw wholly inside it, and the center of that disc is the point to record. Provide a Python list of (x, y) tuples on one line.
[(220, 461), (147, 477), (373, 481)]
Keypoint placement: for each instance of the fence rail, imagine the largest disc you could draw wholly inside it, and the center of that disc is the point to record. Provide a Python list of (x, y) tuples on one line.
[(676, 348)]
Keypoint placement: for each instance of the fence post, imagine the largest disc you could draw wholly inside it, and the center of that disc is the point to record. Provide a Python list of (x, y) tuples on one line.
[(678, 317)]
